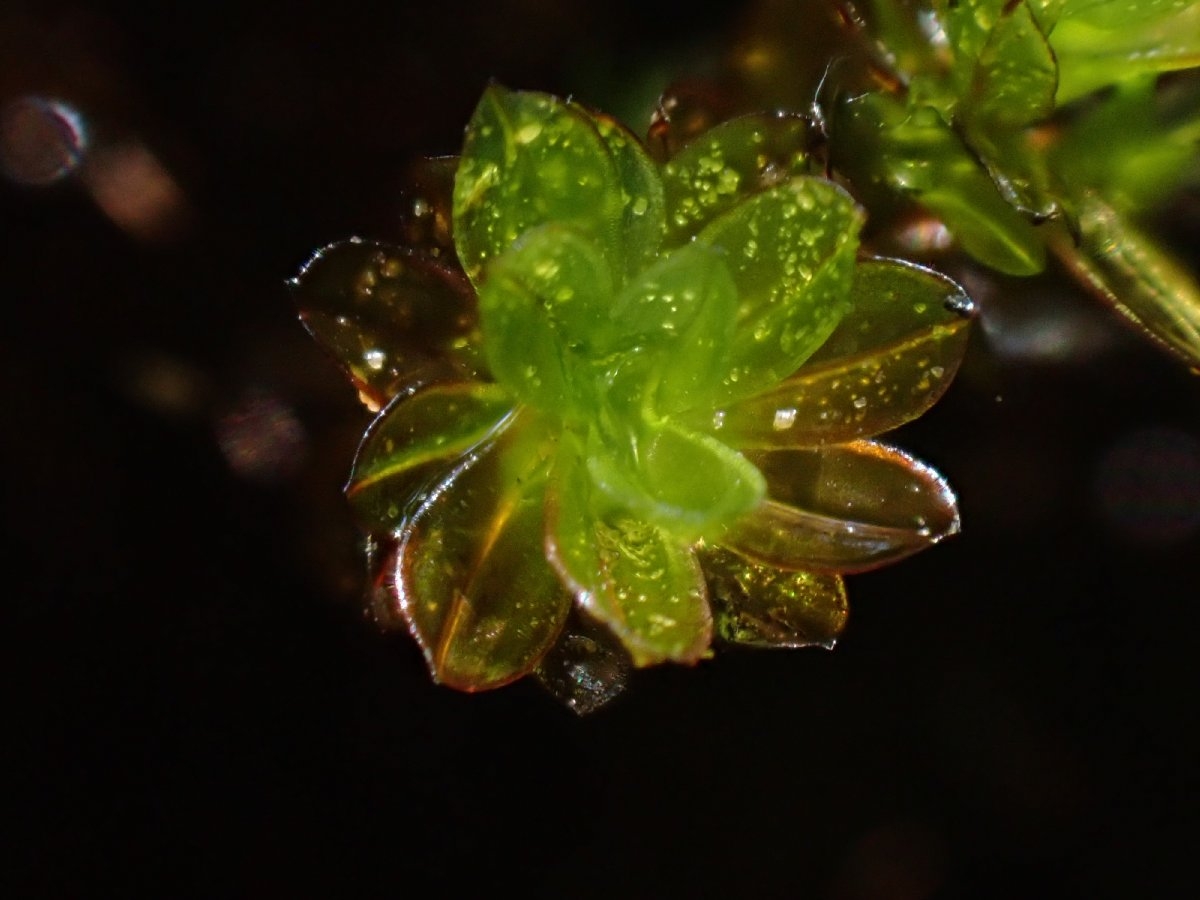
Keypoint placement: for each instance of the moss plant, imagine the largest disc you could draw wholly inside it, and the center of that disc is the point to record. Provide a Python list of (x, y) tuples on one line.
[(633, 404)]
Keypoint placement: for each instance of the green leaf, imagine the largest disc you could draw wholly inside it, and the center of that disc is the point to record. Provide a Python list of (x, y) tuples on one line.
[(1015, 74), (845, 508), (414, 441), (916, 154), (762, 606), (1137, 278), (395, 320), (887, 362), (672, 326), (686, 483), (728, 163), (542, 306), (791, 252), (644, 584), (1121, 14), (472, 580), (1091, 56), (643, 215), (530, 159)]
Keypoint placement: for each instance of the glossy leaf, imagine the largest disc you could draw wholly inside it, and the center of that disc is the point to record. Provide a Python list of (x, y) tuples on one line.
[(587, 668), (394, 319), (1015, 73), (643, 210), (728, 163), (472, 580), (888, 361), (646, 586), (916, 154), (541, 307), (1121, 14), (791, 252), (427, 206), (762, 606), (414, 442), (1143, 283), (1091, 57), (672, 326), (681, 481), (844, 508), (530, 159)]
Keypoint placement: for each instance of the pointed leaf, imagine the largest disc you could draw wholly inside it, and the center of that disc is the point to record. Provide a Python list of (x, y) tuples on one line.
[(845, 508), (683, 482), (415, 441), (394, 319), (888, 361), (642, 583), (762, 606), (790, 251), (529, 159), (728, 163), (1015, 73), (1141, 281), (472, 580)]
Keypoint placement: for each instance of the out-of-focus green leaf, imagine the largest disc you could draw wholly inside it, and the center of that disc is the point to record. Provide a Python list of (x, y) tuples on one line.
[(843, 508), (916, 154), (530, 159), (1121, 14), (790, 251), (726, 164), (686, 483), (645, 585), (887, 362), (1091, 57), (395, 320), (472, 580), (415, 440), (671, 329), (762, 606), (1138, 279), (1014, 75), (541, 306), (643, 221)]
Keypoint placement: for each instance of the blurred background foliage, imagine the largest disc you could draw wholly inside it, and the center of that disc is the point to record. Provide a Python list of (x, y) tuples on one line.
[(197, 704)]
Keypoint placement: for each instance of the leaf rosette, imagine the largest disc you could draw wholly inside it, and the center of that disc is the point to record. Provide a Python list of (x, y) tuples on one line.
[(648, 416)]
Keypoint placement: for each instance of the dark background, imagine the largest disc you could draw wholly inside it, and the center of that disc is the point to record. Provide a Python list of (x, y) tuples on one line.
[(197, 705)]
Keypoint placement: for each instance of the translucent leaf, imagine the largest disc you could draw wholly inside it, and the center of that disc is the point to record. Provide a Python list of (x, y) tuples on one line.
[(394, 319), (844, 508), (1120, 14), (529, 159), (1091, 57), (542, 306), (888, 361), (916, 154), (645, 585), (427, 204), (673, 325), (415, 441), (473, 581), (643, 217), (762, 606), (1143, 283), (1015, 73), (586, 668), (790, 251), (684, 482), (729, 162)]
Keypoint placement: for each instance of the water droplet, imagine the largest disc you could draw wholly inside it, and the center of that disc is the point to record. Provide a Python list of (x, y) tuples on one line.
[(784, 419), (375, 360), (640, 205)]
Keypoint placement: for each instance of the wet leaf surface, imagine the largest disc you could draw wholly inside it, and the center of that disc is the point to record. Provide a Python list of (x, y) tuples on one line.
[(845, 508), (415, 441), (394, 319), (889, 360), (472, 580), (790, 251), (587, 668), (761, 606)]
